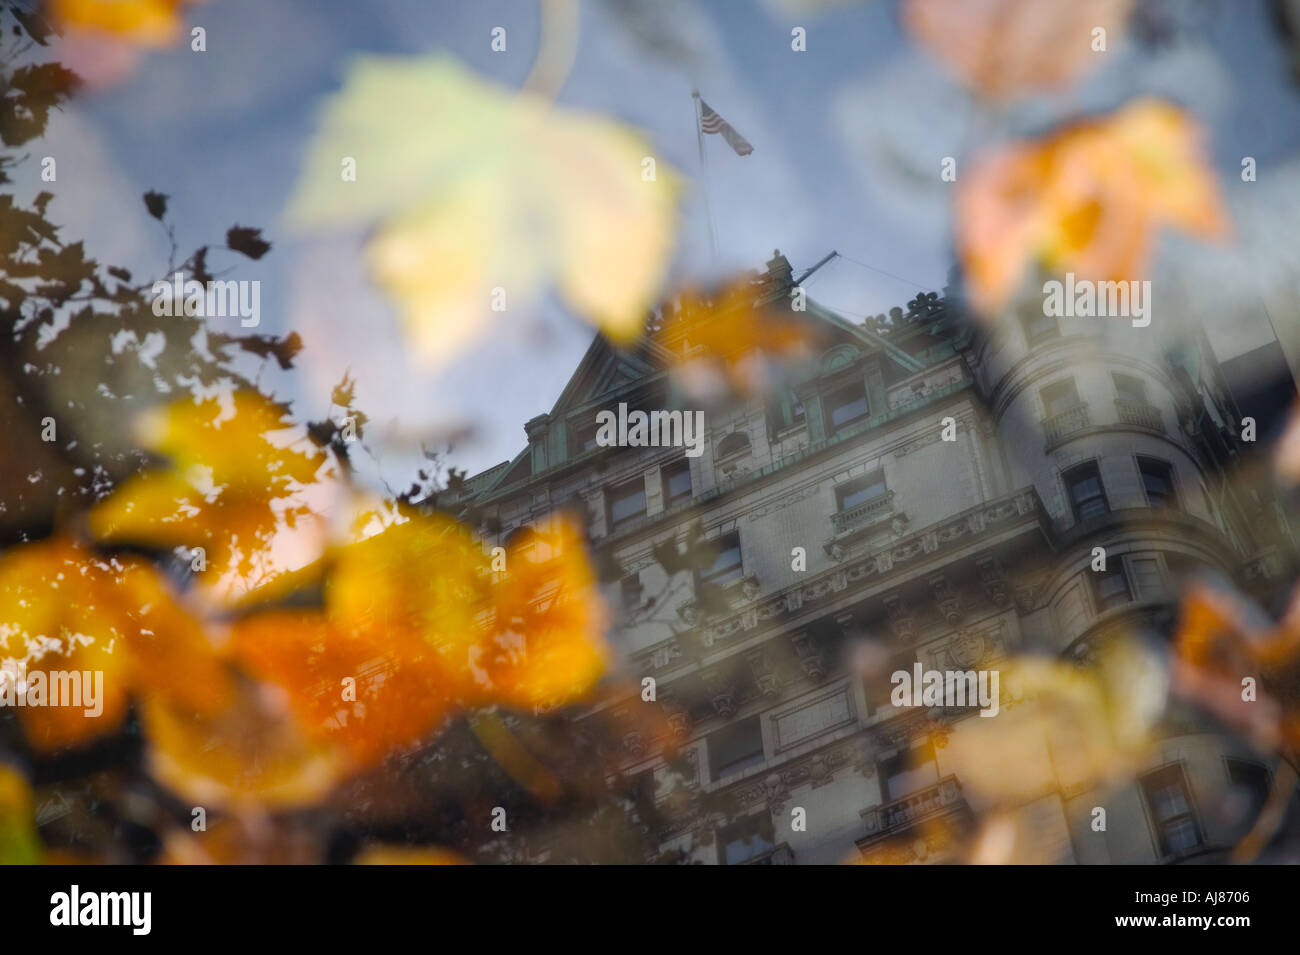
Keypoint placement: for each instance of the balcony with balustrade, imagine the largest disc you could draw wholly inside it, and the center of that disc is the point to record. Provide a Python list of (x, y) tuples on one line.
[(1140, 414), (1060, 427), (864, 515), (913, 827)]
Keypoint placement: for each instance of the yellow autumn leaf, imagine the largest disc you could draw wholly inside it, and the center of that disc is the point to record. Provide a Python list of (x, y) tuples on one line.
[(235, 481), (542, 643), (113, 622), (722, 342), (414, 628), (1069, 725), (479, 192), (1087, 199)]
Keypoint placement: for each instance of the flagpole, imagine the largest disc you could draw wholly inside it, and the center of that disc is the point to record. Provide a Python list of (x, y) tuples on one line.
[(704, 174)]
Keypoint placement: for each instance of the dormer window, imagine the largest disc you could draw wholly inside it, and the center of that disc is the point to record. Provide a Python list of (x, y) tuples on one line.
[(847, 405), (582, 435), (733, 446)]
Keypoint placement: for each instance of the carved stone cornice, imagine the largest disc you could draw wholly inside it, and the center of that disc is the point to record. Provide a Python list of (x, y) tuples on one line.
[(993, 579), (811, 654), (894, 559), (946, 600), (816, 768), (765, 676), (900, 618)]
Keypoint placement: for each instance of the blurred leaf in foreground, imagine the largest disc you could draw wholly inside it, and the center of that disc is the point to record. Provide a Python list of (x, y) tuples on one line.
[(1087, 199), (724, 344), (146, 22), (1086, 726), (65, 610), (19, 844), (485, 197), (1004, 48), (236, 470)]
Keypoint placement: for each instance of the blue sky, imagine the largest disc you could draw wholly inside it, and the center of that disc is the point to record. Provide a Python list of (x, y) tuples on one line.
[(847, 139)]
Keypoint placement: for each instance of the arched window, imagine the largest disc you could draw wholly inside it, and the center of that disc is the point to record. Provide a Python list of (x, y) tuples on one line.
[(733, 444)]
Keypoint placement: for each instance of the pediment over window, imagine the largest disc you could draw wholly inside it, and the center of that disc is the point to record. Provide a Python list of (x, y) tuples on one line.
[(841, 356)]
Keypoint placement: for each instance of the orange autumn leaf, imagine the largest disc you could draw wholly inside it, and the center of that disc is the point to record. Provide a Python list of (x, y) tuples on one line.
[(250, 753), (235, 481), (146, 22), (413, 629), (1002, 48), (1088, 199), (542, 642), (371, 694), (396, 627), (64, 610), (728, 337), (1221, 640)]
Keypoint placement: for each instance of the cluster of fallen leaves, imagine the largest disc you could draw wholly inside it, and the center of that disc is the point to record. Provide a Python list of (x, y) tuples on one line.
[(264, 697)]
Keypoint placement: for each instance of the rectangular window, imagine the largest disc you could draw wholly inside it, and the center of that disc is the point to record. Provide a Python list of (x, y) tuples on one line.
[(1060, 397), (847, 405), (746, 838), (1130, 389), (1111, 586), (736, 747), (861, 491), (727, 565), (784, 411), (797, 413), (1086, 494), (626, 503), (582, 435), (1158, 481), (910, 770), (1170, 805), (677, 483)]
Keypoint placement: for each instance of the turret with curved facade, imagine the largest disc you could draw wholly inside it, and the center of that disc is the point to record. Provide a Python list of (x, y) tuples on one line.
[(922, 492)]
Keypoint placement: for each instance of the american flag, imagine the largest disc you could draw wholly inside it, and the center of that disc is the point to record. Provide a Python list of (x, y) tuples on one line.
[(711, 122)]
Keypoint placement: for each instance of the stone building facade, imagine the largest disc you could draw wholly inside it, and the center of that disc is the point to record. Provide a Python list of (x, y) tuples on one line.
[(927, 491)]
